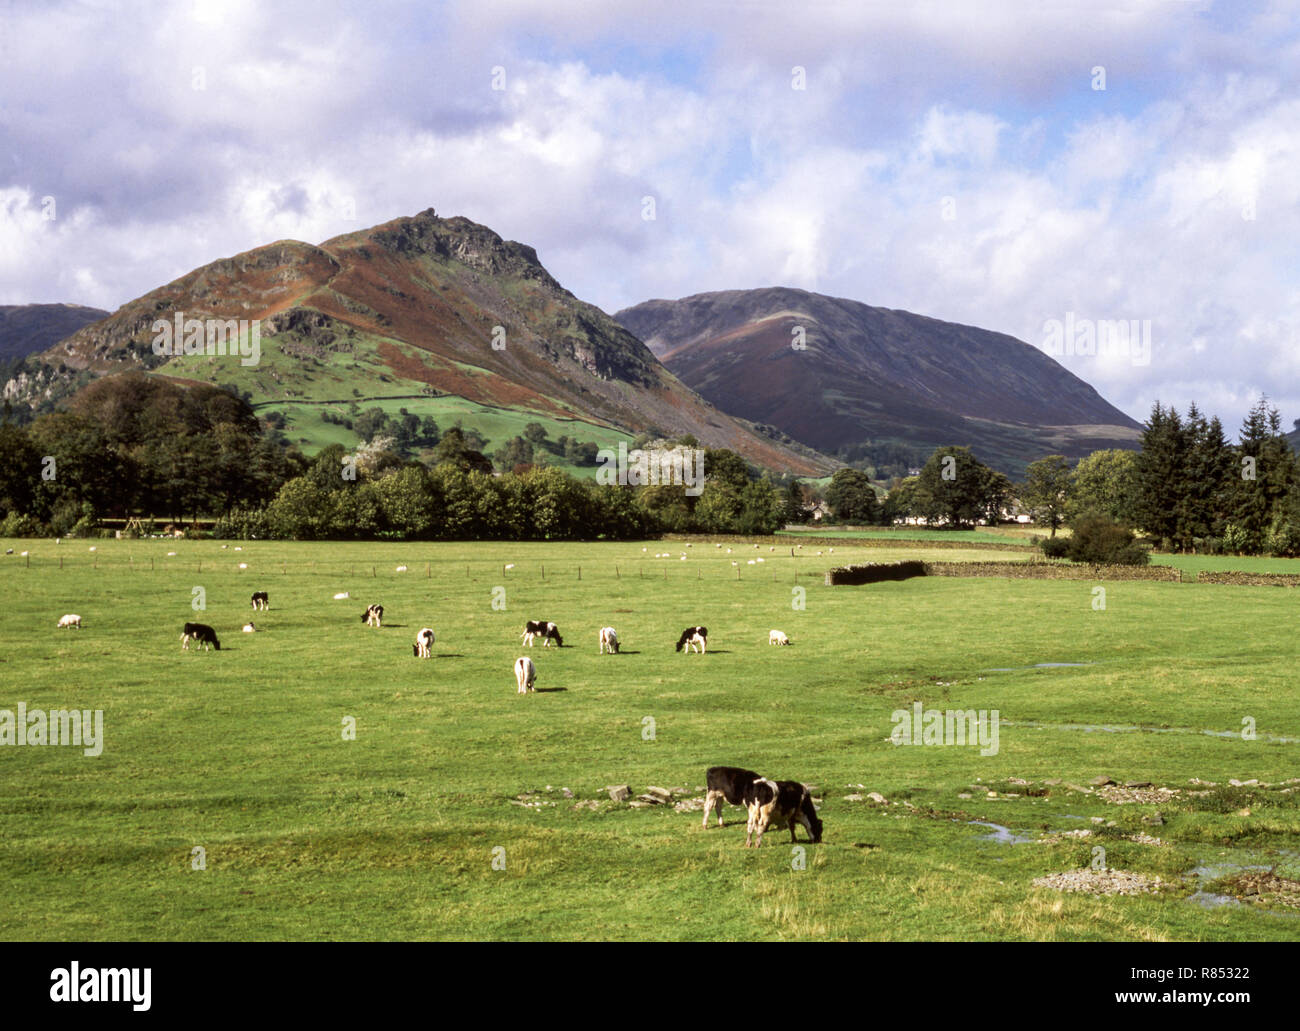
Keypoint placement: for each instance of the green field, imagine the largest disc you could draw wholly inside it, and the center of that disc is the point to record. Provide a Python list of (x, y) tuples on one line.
[(1013, 535), (306, 427), (393, 835)]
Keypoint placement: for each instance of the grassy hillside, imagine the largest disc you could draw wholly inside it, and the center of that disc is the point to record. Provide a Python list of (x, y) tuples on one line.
[(394, 834), (306, 427), (305, 382)]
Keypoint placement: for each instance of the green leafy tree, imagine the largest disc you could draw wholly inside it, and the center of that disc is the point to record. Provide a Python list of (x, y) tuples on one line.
[(718, 508), (301, 510), (852, 497), (515, 452), (760, 508), (1046, 490), (725, 466), (454, 449), (1105, 481), (1265, 473), (535, 433), (1162, 475), (954, 486), (20, 471), (794, 509), (1207, 497), (370, 423), (666, 505)]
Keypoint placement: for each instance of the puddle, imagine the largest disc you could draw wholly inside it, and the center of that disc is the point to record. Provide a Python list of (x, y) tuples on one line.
[(1001, 834), (1214, 900), (1214, 871), (1119, 728), (1209, 900)]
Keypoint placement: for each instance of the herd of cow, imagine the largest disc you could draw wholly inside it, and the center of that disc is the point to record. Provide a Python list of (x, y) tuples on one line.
[(769, 802)]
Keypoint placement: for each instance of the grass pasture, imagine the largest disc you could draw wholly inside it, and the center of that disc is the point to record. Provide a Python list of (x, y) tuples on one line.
[(393, 835)]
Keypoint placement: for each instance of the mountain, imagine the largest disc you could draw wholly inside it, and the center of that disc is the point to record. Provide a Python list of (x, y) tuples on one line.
[(439, 315), (28, 328), (876, 378)]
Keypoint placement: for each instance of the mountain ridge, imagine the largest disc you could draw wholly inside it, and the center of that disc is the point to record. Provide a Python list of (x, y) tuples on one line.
[(442, 306), (868, 374)]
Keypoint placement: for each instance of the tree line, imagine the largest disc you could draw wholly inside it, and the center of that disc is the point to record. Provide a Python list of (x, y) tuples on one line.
[(1187, 489), (140, 445)]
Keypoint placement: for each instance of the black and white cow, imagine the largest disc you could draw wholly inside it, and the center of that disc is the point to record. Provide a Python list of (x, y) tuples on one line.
[(202, 634), (696, 637), (548, 632), (781, 803), (423, 643), (373, 616), (525, 674), (608, 640), (261, 600), (733, 784)]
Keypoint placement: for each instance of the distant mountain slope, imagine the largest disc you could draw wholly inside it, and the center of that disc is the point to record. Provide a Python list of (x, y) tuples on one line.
[(876, 375), (28, 328), (416, 306)]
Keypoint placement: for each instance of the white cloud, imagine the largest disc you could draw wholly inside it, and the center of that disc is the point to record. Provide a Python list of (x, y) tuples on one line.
[(1126, 203)]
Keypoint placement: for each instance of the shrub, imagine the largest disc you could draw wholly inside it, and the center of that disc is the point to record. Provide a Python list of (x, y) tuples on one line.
[(1055, 547), (242, 524), (1099, 540), (874, 572), (16, 524), (1283, 538), (1236, 539)]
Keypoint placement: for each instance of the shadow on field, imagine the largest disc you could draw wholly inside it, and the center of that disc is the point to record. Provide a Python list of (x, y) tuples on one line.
[(548, 690), (449, 655)]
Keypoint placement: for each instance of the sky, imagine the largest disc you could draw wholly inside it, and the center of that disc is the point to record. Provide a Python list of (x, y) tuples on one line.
[(1025, 167)]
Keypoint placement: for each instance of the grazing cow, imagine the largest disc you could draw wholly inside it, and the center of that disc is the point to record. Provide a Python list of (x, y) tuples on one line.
[(608, 640), (261, 600), (780, 803), (423, 643), (548, 632), (202, 634), (249, 628), (525, 674), (731, 783), (373, 616), (69, 621), (694, 637), (777, 637)]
